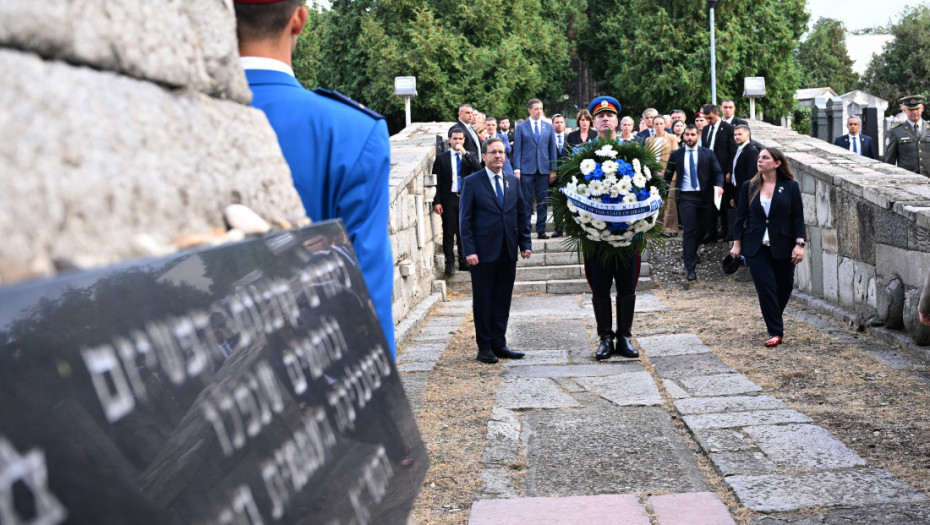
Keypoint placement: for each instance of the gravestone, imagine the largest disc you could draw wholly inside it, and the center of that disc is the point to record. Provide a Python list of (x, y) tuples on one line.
[(248, 383)]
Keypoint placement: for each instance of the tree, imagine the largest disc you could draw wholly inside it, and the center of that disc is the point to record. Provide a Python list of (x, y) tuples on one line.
[(903, 67), (657, 52), (823, 59)]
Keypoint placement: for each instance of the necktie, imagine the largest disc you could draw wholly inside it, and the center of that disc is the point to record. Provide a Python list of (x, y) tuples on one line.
[(536, 130), (500, 191), (713, 136), (733, 171), (560, 142), (855, 141), (458, 169), (693, 163)]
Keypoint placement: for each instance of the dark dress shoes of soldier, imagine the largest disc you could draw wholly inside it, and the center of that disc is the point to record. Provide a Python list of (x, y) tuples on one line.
[(506, 353), (605, 349), (486, 356)]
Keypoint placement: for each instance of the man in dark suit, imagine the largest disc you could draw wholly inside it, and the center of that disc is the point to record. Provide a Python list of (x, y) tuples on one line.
[(564, 150), (744, 168), (728, 113), (717, 136), (472, 144), (494, 222), (450, 168), (854, 141), (699, 180), (534, 161)]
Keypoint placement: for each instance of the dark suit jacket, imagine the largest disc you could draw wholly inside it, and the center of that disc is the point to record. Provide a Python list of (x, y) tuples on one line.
[(709, 172), (530, 156), (471, 145), (574, 138), (865, 142), (442, 168), (485, 227), (785, 221), (566, 147), (737, 121), (724, 145), (746, 164)]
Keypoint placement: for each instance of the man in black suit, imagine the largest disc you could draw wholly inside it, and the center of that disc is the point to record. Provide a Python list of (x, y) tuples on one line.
[(717, 136), (648, 115), (564, 149), (466, 116), (450, 168), (728, 113), (495, 223), (854, 141), (743, 169), (699, 180)]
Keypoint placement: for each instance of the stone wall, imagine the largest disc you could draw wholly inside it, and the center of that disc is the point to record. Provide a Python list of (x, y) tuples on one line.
[(868, 230), (125, 132)]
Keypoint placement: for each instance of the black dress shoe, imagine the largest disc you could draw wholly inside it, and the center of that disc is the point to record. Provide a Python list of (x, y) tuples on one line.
[(450, 269), (625, 348), (486, 356), (542, 236), (557, 234), (605, 349), (691, 275), (506, 353)]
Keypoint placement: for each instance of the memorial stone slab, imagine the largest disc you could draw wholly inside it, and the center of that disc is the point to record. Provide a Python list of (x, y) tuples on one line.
[(683, 366), (718, 385), (803, 447), (637, 388), (244, 383), (856, 488), (618, 461), (673, 344), (710, 405), (743, 419), (524, 393), (592, 370), (526, 334)]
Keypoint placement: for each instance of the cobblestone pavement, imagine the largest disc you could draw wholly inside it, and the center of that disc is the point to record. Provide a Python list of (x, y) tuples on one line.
[(615, 441)]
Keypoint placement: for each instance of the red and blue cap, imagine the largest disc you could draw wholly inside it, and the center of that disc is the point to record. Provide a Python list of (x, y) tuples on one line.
[(603, 103)]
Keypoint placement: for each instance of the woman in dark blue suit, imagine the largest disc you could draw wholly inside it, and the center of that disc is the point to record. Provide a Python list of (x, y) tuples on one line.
[(772, 236)]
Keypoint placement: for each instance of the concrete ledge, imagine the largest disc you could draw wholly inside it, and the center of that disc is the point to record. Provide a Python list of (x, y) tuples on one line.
[(415, 318)]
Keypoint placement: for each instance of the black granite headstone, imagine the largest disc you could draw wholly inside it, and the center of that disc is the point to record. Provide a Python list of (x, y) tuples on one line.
[(248, 383)]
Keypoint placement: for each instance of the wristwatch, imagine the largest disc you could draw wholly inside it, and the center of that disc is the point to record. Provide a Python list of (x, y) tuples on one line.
[(801, 244)]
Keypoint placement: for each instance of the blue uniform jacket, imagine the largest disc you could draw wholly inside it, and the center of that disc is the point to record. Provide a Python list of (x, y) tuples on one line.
[(484, 226), (785, 220), (531, 156), (340, 160)]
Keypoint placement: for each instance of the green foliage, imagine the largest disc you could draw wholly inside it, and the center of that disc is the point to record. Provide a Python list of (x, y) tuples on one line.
[(903, 68), (823, 59), (657, 52), (802, 120), (494, 54)]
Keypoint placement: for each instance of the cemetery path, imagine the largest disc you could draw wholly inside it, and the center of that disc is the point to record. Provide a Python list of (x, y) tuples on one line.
[(707, 427)]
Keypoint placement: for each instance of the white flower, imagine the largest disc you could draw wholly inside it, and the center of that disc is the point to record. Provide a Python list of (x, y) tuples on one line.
[(587, 166), (571, 207), (629, 198), (606, 234), (624, 185), (599, 224), (594, 236), (606, 152), (582, 189), (637, 167), (597, 188), (653, 191), (610, 167), (614, 191), (639, 181), (610, 180), (648, 172), (584, 216)]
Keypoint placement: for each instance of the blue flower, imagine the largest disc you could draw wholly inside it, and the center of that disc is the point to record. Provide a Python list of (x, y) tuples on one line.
[(596, 174), (607, 199), (617, 226), (624, 168)]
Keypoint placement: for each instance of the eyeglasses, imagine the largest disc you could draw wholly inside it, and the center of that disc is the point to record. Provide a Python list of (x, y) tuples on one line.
[(496, 152)]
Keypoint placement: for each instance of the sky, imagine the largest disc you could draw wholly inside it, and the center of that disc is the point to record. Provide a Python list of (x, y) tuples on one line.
[(859, 14)]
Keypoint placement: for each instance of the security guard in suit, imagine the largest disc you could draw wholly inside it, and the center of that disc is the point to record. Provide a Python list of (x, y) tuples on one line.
[(908, 143)]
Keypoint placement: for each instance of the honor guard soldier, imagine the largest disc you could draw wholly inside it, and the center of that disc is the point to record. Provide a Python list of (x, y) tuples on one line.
[(338, 151), (908, 143)]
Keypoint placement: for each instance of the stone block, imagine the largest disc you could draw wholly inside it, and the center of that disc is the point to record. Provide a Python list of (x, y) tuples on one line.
[(711, 405), (593, 370), (847, 222), (687, 366), (898, 514), (537, 357), (743, 462), (802, 274), (541, 308), (606, 508), (809, 203), (910, 266), (867, 231), (864, 285), (525, 333), (918, 238), (673, 390), (646, 302), (808, 186), (722, 440), (830, 275), (919, 332), (854, 488), (524, 287), (497, 483), (890, 228), (845, 281), (694, 508), (822, 193), (189, 45), (637, 388), (815, 257), (113, 160), (718, 385), (570, 286), (803, 447), (672, 344), (609, 456), (744, 419), (829, 241), (523, 393), (561, 258), (549, 273)]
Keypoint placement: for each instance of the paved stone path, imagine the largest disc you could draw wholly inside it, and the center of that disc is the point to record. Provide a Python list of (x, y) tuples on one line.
[(601, 445)]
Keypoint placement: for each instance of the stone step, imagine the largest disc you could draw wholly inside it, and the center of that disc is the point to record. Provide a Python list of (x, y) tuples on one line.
[(560, 286)]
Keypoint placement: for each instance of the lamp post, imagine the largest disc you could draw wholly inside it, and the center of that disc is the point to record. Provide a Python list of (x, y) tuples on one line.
[(713, 55)]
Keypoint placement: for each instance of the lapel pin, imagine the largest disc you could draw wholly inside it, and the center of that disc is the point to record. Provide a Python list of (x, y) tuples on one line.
[(780, 188)]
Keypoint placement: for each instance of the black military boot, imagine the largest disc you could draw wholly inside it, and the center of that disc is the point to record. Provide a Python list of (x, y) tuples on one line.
[(625, 306), (603, 316)]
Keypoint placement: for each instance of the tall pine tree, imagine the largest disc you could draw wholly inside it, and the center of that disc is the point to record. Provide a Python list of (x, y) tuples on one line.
[(823, 59)]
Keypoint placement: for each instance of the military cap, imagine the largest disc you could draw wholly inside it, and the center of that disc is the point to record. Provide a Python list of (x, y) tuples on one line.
[(912, 101), (600, 104)]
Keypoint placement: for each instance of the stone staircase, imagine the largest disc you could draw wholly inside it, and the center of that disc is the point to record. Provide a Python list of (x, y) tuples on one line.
[(552, 269)]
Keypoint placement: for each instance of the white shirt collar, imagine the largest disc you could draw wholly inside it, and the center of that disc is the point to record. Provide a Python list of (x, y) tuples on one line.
[(491, 174), (695, 148), (266, 63)]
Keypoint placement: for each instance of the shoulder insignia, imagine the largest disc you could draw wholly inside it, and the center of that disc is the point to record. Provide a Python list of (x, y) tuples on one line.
[(896, 125), (339, 97)]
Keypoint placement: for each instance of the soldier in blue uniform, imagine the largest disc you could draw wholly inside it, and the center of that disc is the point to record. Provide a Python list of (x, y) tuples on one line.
[(338, 151)]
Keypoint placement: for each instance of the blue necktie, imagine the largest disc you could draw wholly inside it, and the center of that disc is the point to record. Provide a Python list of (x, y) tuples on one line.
[(536, 130), (458, 168), (855, 145), (560, 142), (500, 191), (694, 178)]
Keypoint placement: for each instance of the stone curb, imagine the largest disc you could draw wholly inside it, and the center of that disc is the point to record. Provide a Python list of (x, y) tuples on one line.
[(416, 317)]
